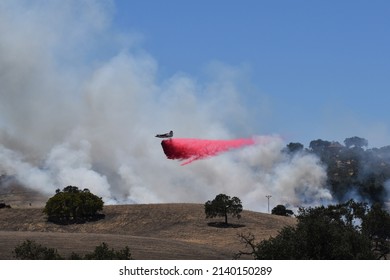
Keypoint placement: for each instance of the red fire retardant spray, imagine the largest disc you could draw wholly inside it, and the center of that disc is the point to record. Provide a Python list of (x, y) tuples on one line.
[(193, 149)]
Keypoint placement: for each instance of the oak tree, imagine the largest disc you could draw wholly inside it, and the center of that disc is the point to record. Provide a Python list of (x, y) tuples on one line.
[(222, 206)]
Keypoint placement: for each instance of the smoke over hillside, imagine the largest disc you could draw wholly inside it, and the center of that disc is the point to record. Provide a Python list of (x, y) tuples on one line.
[(70, 115)]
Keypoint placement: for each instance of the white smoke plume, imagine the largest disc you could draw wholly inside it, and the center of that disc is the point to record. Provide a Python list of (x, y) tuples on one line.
[(71, 114)]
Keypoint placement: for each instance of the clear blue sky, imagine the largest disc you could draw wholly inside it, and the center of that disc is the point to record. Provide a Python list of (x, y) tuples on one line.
[(323, 67)]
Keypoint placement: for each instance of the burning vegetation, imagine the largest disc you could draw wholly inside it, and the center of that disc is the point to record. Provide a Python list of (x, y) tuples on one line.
[(353, 170)]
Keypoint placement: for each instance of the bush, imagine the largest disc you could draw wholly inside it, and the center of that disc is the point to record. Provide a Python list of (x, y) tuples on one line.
[(72, 205), (30, 250), (281, 210), (102, 252)]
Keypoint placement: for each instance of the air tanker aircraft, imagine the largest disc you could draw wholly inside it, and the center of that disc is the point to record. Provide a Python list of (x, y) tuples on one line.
[(165, 135)]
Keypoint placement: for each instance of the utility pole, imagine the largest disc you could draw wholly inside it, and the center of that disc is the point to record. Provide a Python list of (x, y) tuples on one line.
[(268, 197)]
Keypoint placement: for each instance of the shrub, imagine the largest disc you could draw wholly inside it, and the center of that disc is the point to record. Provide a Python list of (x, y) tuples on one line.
[(102, 252), (30, 250), (281, 210)]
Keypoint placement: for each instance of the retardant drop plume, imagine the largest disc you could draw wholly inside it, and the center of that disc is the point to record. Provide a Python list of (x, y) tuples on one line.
[(194, 149)]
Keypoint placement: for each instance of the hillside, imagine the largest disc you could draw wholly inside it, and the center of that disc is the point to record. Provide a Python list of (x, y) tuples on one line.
[(151, 231)]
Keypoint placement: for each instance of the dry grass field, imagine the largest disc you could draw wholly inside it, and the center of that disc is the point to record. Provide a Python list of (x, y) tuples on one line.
[(151, 231)]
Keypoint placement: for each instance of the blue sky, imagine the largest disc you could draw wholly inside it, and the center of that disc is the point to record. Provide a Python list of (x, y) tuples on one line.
[(315, 69)]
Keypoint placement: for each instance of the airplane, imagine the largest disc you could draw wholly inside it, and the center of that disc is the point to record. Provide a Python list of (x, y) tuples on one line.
[(166, 135)]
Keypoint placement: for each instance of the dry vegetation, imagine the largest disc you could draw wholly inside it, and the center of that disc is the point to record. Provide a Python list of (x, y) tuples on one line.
[(151, 231)]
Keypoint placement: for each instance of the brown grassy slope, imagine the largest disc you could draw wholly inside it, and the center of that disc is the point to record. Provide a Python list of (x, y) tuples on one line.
[(151, 231), (17, 196)]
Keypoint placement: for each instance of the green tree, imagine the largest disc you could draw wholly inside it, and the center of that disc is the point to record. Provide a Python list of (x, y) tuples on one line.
[(376, 225), (281, 210), (73, 205), (326, 233), (294, 147), (30, 250), (319, 146), (355, 141), (222, 206)]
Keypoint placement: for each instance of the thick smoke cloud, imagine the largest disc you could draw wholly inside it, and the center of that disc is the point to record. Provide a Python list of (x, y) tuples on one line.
[(72, 113)]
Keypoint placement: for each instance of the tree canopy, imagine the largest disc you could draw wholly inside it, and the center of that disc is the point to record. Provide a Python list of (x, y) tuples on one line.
[(281, 210), (348, 231), (355, 141), (73, 205), (222, 206), (293, 147), (352, 172)]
